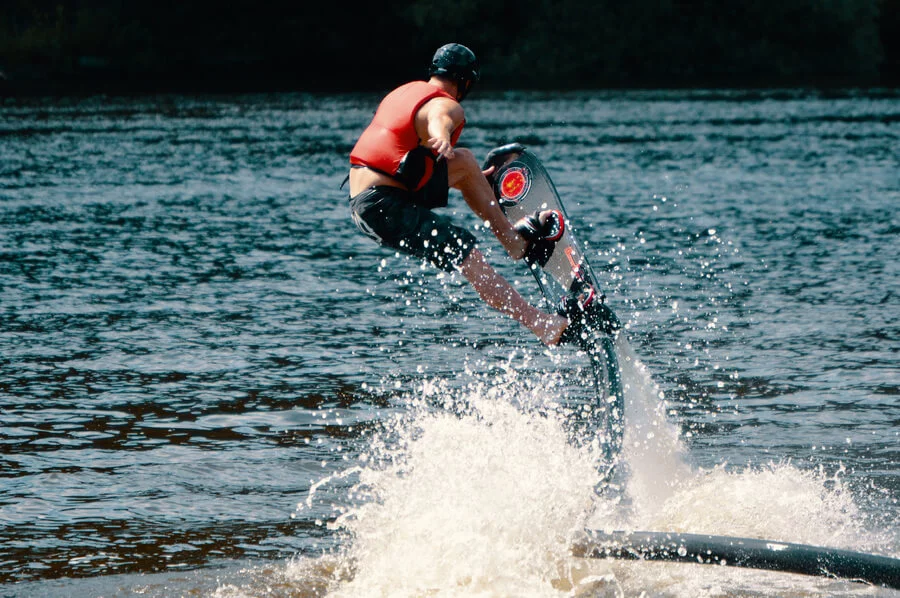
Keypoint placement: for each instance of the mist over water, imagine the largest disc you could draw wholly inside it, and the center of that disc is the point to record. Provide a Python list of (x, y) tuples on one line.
[(212, 384)]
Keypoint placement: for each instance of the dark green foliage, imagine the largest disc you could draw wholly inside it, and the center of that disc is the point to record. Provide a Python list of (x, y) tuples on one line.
[(530, 44)]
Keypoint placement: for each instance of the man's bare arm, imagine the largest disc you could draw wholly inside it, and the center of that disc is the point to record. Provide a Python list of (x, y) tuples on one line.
[(435, 123)]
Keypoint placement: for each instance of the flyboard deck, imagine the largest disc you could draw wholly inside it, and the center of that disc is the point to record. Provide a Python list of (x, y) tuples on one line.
[(522, 186)]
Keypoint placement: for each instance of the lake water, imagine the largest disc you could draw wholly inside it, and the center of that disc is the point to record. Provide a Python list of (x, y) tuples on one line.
[(212, 384)]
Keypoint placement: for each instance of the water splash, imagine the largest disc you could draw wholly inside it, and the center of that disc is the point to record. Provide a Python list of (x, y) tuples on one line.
[(776, 501), (653, 451), (479, 491), (478, 497)]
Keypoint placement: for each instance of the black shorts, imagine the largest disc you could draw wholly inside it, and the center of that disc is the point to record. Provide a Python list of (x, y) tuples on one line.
[(389, 216)]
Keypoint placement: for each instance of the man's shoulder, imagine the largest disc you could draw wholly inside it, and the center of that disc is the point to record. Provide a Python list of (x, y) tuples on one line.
[(422, 94), (423, 88), (443, 104)]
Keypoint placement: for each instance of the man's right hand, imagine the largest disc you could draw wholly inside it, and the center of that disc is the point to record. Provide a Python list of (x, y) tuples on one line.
[(442, 146)]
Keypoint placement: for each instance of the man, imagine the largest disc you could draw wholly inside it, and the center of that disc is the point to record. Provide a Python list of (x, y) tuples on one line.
[(404, 163)]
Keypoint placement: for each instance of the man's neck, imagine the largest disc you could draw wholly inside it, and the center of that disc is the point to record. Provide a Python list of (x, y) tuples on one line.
[(445, 85)]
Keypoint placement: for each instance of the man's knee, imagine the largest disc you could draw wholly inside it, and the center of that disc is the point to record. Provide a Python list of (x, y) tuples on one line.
[(463, 154)]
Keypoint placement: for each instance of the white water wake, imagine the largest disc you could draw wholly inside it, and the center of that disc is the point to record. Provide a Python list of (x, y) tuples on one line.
[(483, 495)]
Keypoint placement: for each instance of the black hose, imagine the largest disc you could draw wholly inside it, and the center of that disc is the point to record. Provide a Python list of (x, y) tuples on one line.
[(742, 552)]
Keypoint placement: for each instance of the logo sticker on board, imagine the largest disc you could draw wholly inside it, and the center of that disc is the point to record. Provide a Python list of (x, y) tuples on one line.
[(514, 185)]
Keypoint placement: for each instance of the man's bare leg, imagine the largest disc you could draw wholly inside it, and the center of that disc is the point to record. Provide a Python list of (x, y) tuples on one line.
[(465, 174), (502, 296)]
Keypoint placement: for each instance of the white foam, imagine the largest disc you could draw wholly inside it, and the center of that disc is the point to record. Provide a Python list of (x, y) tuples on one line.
[(482, 495), (482, 503)]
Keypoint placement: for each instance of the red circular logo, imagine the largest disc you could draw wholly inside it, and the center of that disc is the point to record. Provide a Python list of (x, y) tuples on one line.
[(514, 185)]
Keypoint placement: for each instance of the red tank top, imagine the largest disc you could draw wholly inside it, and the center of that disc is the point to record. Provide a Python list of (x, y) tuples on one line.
[(391, 135)]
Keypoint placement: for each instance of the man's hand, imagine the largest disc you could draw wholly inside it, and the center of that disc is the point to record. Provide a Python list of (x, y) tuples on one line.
[(442, 146)]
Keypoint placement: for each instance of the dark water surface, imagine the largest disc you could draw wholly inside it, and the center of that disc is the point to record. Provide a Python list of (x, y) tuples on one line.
[(192, 332)]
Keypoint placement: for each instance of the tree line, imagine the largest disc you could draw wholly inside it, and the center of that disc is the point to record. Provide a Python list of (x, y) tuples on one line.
[(98, 45)]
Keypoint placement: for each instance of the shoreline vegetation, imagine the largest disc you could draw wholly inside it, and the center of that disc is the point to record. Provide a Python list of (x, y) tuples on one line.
[(102, 46)]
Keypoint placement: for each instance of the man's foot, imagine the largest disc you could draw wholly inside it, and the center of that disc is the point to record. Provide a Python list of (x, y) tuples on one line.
[(587, 313), (542, 230)]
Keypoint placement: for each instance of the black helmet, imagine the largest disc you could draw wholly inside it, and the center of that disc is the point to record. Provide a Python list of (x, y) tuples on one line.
[(456, 62)]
